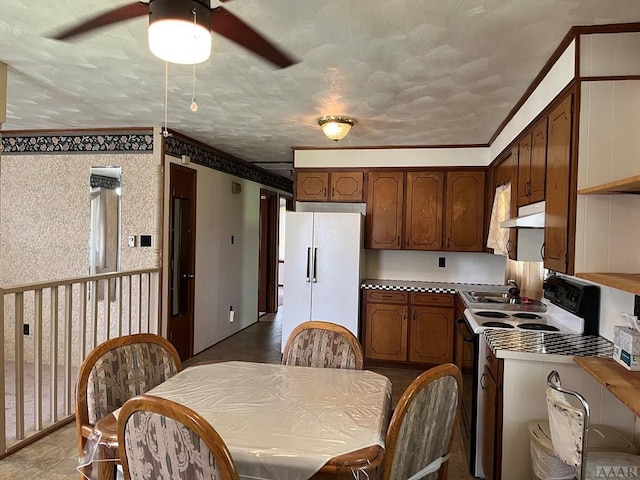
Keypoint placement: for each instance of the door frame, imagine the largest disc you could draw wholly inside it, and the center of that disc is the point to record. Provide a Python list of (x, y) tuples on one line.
[(268, 252), (174, 167)]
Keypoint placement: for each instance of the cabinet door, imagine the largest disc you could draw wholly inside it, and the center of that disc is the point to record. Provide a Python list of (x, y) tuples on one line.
[(558, 188), (490, 418), (538, 172), (346, 186), (431, 335), (312, 186), (385, 332), (524, 170), (425, 196), (464, 211), (507, 171), (385, 195)]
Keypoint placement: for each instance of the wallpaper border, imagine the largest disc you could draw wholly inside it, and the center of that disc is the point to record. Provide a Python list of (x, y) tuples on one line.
[(178, 145), (40, 143)]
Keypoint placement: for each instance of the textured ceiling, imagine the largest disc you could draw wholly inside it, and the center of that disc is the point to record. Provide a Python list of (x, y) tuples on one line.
[(412, 72)]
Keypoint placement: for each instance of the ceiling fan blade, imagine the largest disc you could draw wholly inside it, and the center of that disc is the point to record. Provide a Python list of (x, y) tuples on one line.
[(230, 26), (119, 14)]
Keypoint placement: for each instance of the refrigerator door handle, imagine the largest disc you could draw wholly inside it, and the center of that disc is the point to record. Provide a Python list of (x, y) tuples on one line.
[(315, 265), (308, 264)]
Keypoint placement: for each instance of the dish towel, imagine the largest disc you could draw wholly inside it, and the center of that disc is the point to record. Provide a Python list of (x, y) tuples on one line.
[(498, 237)]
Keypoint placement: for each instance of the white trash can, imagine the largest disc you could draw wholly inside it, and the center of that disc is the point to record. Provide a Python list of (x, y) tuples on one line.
[(546, 466)]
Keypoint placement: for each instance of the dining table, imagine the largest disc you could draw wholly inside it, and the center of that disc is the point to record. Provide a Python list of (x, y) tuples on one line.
[(283, 422)]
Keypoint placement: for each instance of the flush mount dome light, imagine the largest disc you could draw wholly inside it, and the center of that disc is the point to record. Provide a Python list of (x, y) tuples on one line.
[(336, 128), (178, 34)]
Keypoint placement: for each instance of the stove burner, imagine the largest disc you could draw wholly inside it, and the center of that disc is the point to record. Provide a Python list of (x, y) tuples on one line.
[(491, 314), (528, 316), (538, 326), (497, 325)]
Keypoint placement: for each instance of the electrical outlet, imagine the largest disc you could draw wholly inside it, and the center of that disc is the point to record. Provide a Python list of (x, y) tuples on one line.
[(25, 329), (441, 262)]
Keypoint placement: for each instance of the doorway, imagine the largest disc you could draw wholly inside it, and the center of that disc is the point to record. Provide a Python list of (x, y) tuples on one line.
[(182, 247), (268, 255)]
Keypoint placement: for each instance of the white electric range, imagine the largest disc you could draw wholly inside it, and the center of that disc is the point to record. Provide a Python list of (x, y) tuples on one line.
[(555, 319), (571, 308)]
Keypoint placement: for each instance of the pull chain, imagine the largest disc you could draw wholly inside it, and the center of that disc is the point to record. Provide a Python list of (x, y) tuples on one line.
[(194, 104), (165, 133)]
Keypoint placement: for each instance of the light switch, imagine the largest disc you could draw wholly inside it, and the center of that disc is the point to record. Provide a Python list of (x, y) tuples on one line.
[(132, 240)]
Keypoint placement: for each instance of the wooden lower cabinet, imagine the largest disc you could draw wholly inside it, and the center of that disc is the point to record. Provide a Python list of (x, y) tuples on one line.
[(431, 339), (491, 383), (389, 335), (386, 332)]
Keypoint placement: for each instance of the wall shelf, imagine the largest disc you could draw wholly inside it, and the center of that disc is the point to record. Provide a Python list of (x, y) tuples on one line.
[(627, 282), (625, 185)]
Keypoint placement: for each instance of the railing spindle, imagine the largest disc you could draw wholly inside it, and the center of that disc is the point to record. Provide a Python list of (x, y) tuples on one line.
[(139, 303), (37, 359), (19, 364), (83, 321), (3, 401), (54, 355), (119, 293), (94, 312), (107, 307), (68, 346), (130, 281)]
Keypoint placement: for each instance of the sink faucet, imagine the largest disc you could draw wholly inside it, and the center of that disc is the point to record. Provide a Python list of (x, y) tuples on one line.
[(514, 291)]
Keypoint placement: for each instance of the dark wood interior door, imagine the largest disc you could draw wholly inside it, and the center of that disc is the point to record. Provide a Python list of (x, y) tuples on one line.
[(182, 250), (268, 255)]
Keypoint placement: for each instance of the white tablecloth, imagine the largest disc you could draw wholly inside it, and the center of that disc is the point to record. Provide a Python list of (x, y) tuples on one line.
[(283, 422)]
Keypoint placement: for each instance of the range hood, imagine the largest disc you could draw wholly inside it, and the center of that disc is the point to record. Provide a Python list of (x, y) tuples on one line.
[(529, 216)]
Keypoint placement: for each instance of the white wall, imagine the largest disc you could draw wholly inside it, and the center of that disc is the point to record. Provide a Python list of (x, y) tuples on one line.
[(226, 274), (606, 54), (562, 72), (396, 157), (423, 266)]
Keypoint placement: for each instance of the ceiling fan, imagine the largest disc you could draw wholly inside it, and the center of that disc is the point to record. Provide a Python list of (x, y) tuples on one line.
[(191, 21)]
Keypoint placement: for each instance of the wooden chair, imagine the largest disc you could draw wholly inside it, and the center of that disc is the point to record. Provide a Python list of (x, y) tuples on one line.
[(159, 438), (419, 437), (118, 370), (323, 344), (569, 426)]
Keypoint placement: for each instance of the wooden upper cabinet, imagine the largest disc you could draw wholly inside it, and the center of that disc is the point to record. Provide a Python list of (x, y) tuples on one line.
[(524, 169), (346, 186), (385, 205), (423, 224), (538, 169), (464, 211), (558, 187), (507, 171), (312, 186)]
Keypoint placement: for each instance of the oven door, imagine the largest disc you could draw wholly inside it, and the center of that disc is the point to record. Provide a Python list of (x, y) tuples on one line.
[(466, 356)]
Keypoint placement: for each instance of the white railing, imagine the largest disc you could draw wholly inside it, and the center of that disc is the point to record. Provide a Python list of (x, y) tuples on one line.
[(49, 329)]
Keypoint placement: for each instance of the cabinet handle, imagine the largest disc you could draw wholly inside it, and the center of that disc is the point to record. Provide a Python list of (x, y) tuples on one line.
[(398, 240), (333, 191), (483, 385), (325, 191), (509, 246), (542, 251), (308, 264), (387, 296), (448, 242), (315, 265)]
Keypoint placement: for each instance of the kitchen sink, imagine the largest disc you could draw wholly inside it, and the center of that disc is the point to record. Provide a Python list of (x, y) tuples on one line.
[(490, 297)]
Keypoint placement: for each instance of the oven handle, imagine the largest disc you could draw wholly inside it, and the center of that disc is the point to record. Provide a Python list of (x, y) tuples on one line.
[(459, 323)]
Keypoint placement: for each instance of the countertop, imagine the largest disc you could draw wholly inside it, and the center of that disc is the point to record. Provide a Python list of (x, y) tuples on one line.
[(544, 346), (429, 287), (452, 287)]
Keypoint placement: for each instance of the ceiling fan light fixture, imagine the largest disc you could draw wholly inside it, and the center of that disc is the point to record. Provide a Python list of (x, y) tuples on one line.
[(335, 127), (179, 41)]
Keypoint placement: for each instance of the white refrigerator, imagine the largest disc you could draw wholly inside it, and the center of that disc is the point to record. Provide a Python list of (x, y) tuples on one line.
[(322, 269)]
